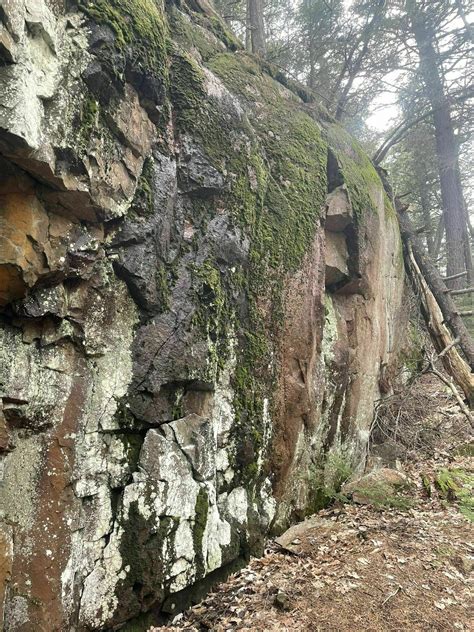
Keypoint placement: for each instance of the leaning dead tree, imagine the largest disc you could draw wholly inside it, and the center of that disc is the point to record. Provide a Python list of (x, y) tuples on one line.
[(442, 317), (441, 314)]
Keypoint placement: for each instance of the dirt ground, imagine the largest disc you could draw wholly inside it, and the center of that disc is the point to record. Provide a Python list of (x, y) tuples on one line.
[(359, 567)]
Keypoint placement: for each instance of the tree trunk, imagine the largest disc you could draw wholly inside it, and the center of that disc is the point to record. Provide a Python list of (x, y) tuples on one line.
[(438, 288), (257, 27), (425, 210), (457, 240), (438, 238), (439, 311), (248, 30)]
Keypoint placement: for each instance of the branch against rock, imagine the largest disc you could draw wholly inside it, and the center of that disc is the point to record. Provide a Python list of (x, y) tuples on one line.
[(437, 287)]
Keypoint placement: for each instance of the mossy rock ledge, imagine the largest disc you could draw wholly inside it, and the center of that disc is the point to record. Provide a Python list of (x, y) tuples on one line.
[(201, 279)]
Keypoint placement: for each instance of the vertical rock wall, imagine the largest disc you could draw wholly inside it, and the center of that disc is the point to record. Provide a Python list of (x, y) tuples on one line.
[(199, 283)]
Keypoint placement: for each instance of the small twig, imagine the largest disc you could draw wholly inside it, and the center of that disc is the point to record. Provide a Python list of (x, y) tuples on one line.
[(392, 595), (454, 390), (450, 346), (455, 276), (466, 290)]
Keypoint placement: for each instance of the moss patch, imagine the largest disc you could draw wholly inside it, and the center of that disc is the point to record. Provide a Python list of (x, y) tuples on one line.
[(357, 170), (142, 205), (186, 90), (200, 521), (138, 24), (382, 496)]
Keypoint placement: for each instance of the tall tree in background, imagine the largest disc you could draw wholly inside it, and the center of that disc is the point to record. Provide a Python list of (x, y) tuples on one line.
[(423, 19), (247, 19), (360, 46), (256, 27), (354, 54)]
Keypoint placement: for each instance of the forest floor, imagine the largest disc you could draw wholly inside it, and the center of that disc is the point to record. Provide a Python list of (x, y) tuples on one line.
[(376, 567)]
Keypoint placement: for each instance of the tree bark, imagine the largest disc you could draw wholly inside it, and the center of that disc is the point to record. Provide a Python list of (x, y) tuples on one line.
[(425, 208), (457, 240), (255, 23), (438, 238)]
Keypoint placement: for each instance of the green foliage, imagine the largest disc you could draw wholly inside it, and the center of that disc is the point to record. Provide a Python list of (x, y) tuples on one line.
[(457, 485), (327, 480), (338, 470)]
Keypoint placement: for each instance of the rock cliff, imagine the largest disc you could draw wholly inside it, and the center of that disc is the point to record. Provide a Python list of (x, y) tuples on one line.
[(200, 282)]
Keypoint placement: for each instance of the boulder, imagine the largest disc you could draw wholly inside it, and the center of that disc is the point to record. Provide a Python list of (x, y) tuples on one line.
[(376, 486), (175, 378)]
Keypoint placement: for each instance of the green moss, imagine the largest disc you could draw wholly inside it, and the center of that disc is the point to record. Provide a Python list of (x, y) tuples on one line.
[(88, 122), (288, 167), (214, 316), (200, 521), (357, 170), (138, 24), (277, 172), (381, 496), (89, 114), (223, 33), (190, 35), (186, 89), (142, 205)]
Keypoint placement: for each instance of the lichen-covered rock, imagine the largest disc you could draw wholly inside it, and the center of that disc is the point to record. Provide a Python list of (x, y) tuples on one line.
[(179, 373)]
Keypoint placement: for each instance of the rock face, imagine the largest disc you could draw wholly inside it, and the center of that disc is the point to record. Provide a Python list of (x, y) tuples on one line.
[(178, 377)]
